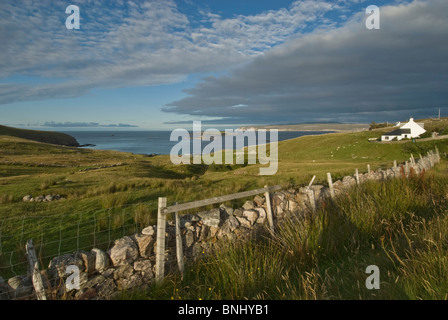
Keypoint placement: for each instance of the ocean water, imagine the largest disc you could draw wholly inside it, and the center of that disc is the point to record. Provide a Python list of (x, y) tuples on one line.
[(149, 142)]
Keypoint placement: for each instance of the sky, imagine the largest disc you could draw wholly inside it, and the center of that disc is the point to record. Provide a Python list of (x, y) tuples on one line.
[(160, 65)]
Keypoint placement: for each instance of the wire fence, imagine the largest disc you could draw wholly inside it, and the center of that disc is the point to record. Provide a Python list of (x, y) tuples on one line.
[(61, 234)]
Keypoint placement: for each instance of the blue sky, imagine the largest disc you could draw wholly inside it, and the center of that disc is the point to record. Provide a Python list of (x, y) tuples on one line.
[(156, 65)]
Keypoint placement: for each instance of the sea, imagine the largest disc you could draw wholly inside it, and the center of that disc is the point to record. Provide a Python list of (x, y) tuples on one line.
[(154, 142)]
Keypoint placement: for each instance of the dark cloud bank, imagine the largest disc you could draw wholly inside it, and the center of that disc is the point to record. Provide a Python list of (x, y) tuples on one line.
[(346, 74)]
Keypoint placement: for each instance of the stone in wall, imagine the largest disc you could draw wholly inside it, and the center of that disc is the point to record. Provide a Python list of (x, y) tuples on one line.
[(124, 251)]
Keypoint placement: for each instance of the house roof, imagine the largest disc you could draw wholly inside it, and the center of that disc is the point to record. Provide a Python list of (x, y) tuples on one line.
[(398, 132)]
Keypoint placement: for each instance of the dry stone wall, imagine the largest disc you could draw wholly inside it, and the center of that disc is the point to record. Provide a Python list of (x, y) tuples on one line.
[(130, 262)]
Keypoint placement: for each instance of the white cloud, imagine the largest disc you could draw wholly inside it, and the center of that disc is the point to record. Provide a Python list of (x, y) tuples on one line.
[(132, 44)]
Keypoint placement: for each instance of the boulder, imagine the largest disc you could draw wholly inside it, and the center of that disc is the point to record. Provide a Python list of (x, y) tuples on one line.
[(124, 251), (39, 199), (101, 259), (248, 205), (145, 244), (259, 200), (211, 218), (143, 266), (89, 261), (27, 198), (251, 216), (189, 238), (58, 266), (243, 222), (124, 271), (261, 214), (233, 223)]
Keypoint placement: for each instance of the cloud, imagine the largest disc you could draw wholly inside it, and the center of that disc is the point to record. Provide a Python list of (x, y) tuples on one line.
[(346, 73), (53, 124), (124, 44)]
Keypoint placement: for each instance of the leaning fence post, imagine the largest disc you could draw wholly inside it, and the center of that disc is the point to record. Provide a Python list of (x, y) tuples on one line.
[(330, 185), (179, 246), (269, 210), (161, 229), (33, 271)]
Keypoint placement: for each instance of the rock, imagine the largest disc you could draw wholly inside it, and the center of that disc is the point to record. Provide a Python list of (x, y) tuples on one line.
[(124, 271), (27, 198), (86, 294), (259, 200), (124, 251), (149, 231), (58, 266), (189, 238), (143, 266), (101, 260), (49, 197), (233, 223), (20, 287), (213, 231), (145, 244), (248, 205), (226, 211), (104, 287), (205, 233), (108, 272), (243, 222), (39, 199), (89, 261), (261, 214), (251, 216), (188, 218), (211, 218), (133, 281), (238, 212), (292, 206)]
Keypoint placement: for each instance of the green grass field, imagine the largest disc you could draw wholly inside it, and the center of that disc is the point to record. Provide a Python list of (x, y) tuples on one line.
[(118, 192)]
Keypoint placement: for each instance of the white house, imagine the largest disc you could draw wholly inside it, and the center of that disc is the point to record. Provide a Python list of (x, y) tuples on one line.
[(409, 130)]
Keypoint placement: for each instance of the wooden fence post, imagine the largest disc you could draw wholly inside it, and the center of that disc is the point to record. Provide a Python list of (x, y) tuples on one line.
[(357, 176), (330, 185), (161, 229), (368, 169), (33, 271), (269, 211), (179, 246)]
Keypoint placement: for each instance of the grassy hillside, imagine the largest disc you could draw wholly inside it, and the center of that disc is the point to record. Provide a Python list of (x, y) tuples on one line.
[(109, 194), (40, 136), (400, 226)]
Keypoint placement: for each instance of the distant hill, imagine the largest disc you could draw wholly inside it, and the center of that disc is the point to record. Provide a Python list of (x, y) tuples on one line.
[(330, 126), (40, 136)]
